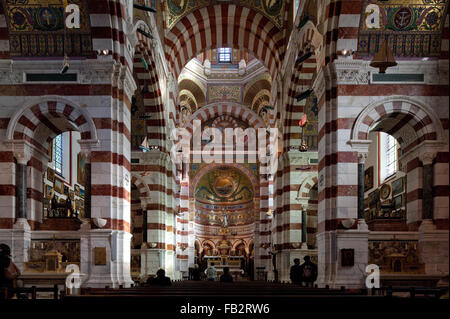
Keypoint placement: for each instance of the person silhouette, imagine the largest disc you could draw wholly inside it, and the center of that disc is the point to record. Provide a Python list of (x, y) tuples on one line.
[(226, 277), (295, 274), (308, 271), (160, 279)]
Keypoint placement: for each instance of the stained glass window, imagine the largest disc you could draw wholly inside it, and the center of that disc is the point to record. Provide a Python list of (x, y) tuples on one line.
[(58, 157), (225, 55)]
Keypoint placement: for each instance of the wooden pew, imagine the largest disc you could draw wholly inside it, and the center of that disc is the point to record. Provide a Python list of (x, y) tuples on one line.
[(413, 291), (29, 291), (220, 289)]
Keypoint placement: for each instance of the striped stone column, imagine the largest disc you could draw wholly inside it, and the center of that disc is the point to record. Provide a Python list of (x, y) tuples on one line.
[(21, 233), (433, 242), (294, 220), (159, 251), (338, 226)]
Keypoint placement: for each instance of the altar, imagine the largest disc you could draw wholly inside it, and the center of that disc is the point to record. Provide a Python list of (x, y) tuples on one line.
[(234, 263)]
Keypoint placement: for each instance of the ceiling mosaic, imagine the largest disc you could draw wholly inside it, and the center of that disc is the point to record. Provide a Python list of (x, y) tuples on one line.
[(224, 93), (225, 185), (411, 27), (36, 29), (272, 9)]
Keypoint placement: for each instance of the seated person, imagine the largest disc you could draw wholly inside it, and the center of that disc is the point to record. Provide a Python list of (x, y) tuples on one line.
[(226, 277), (160, 279)]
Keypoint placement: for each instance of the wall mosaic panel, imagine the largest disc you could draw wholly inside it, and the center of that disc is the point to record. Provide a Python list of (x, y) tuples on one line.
[(311, 129), (411, 27), (36, 29), (272, 9), (399, 256)]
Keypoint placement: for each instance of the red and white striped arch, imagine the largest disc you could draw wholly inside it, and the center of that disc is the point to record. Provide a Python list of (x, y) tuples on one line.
[(301, 80), (153, 104), (421, 118), (225, 25), (226, 108), (25, 122), (144, 191), (306, 186)]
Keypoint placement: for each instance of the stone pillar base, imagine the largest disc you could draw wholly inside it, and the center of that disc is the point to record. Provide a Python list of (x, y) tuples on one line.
[(331, 271), (154, 259), (21, 241), (113, 271), (151, 261), (433, 248)]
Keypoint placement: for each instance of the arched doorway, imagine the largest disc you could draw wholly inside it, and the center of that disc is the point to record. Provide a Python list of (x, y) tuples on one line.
[(49, 138), (224, 217), (406, 136)]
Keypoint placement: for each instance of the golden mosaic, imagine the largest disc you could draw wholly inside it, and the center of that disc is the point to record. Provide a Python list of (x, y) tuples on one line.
[(272, 9)]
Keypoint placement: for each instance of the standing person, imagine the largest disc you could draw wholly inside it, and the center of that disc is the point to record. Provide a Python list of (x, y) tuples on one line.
[(296, 273), (226, 277), (8, 270), (196, 275), (308, 272), (211, 272)]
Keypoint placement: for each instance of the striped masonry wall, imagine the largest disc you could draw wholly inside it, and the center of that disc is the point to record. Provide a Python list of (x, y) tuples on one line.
[(238, 27)]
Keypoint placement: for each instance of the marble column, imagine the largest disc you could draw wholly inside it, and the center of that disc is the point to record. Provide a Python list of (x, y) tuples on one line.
[(87, 186), (21, 189), (427, 191), (361, 160), (433, 243)]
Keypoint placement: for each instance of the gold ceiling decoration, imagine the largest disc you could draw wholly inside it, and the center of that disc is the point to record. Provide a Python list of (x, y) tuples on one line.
[(272, 9), (411, 28)]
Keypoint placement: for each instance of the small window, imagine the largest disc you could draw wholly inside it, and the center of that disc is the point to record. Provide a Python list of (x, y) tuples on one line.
[(388, 156), (58, 156), (296, 4), (225, 55)]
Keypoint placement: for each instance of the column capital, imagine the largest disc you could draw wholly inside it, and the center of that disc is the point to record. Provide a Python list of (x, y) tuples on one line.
[(86, 147), (360, 146), (427, 157), (432, 147), (21, 150), (362, 158)]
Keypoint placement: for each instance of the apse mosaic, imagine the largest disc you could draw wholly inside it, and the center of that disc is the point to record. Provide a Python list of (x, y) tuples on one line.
[(272, 9), (36, 29), (251, 167), (224, 184), (217, 218), (411, 27)]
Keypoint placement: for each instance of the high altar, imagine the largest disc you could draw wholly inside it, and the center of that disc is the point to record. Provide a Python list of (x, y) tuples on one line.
[(226, 260)]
